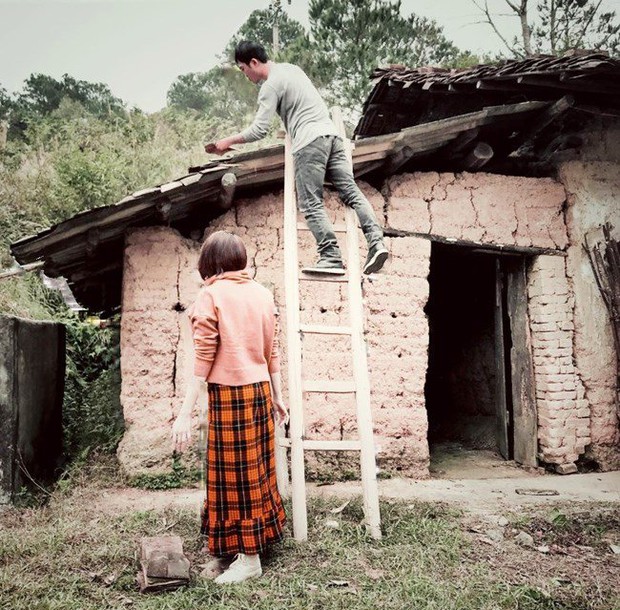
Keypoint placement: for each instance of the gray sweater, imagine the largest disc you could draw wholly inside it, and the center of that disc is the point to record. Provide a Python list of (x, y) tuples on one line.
[(290, 93)]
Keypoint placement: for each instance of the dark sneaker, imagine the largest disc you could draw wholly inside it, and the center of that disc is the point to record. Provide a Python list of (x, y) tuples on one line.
[(325, 267), (377, 255)]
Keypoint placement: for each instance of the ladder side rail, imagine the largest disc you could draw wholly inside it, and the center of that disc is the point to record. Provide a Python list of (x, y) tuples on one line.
[(360, 363), (291, 283)]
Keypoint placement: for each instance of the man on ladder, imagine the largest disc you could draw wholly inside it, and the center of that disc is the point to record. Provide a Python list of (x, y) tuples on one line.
[(318, 152)]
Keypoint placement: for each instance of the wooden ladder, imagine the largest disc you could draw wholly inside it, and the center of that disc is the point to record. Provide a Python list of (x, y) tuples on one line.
[(297, 385)]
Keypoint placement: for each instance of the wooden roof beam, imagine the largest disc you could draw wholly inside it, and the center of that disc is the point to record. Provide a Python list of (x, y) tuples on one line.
[(394, 162), (543, 120), (462, 141), (481, 154), (227, 192), (493, 85), (93, 239), (162, 210)]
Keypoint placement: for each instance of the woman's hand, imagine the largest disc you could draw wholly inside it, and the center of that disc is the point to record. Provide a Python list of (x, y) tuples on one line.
[(182, 432), (280, 410)]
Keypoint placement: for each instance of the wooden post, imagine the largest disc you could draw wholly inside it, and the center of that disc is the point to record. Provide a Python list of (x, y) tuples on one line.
[(295, 396), (525, 421), (479, 156), (163, 209), (229, 184), (501, 406)]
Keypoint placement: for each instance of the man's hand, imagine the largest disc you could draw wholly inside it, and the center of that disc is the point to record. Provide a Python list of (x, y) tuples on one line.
[(281, 411), (181, 432), (219, 147)]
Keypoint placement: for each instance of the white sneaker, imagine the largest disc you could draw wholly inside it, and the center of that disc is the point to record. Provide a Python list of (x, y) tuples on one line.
[(242, 568)]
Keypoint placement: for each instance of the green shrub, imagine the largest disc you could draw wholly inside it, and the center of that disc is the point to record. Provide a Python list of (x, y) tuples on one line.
[(92, 414)]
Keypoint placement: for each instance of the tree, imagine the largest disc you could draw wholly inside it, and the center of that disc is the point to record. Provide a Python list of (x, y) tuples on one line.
[(190, 91), (352, 37), (6, 103), (259, 27), (43, 94), (223, 92), (555, 26), (347, 40)]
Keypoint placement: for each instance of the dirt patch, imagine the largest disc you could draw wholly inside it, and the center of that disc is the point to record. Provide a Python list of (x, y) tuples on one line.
[(570, 558), (563, 531), (484, 497)]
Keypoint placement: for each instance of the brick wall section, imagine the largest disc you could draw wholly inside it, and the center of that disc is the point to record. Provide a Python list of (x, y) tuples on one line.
[(486, 208), (150, 331), (563, 412), (397, 336), (394, 319), (592, 200), (160, 273)]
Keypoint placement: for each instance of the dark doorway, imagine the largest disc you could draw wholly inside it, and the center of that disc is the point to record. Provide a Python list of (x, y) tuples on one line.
[(479, 382), (461, 392)]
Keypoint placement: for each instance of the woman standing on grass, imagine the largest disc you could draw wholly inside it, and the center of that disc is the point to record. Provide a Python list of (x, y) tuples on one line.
[(236, 353)]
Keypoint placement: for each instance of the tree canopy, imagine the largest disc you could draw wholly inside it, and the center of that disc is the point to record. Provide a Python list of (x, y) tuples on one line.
[(554, 26), (352, 37), (41, 94), (222, 92), (346, 41), (260, 28)]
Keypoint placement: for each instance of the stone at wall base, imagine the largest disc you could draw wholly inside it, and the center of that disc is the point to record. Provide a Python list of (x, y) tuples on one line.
[(569, 468)]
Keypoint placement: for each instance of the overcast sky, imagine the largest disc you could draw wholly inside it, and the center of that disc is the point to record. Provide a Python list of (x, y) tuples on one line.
[(138, 47)]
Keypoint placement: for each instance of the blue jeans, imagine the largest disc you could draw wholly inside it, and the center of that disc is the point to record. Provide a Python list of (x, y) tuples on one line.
[(323, 158)]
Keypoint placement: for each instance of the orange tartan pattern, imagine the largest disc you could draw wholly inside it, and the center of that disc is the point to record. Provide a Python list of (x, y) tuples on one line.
[(242, 511)]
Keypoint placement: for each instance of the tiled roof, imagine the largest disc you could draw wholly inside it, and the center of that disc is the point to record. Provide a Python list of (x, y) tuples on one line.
[(494, 116), (87, 249), (403, 97), (572, 66)]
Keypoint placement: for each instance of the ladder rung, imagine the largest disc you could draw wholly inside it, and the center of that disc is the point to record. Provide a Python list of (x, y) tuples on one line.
[(338, 227), (324, 445), (325, 330), (337, 387), (322, 278)]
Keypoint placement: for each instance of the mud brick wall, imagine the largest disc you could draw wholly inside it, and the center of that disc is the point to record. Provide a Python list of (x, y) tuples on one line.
[(485, 208), (563, 412), (397, 337), (593, 199), (160, 281), (151, 330)]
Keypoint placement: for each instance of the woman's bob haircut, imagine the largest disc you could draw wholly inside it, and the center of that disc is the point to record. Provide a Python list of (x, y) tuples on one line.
[(221, 252)]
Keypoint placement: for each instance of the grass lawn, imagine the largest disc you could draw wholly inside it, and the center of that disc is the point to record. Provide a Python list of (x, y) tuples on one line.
[(76, 554)]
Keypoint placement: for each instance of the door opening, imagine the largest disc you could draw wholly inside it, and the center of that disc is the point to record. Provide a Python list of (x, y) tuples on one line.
[(477, 323)]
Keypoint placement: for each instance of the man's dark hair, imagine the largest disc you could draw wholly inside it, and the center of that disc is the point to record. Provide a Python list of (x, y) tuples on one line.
[(221, 252), (245, 51)]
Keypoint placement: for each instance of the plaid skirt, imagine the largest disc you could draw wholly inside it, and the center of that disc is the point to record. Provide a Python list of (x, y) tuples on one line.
[(242, 511)]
